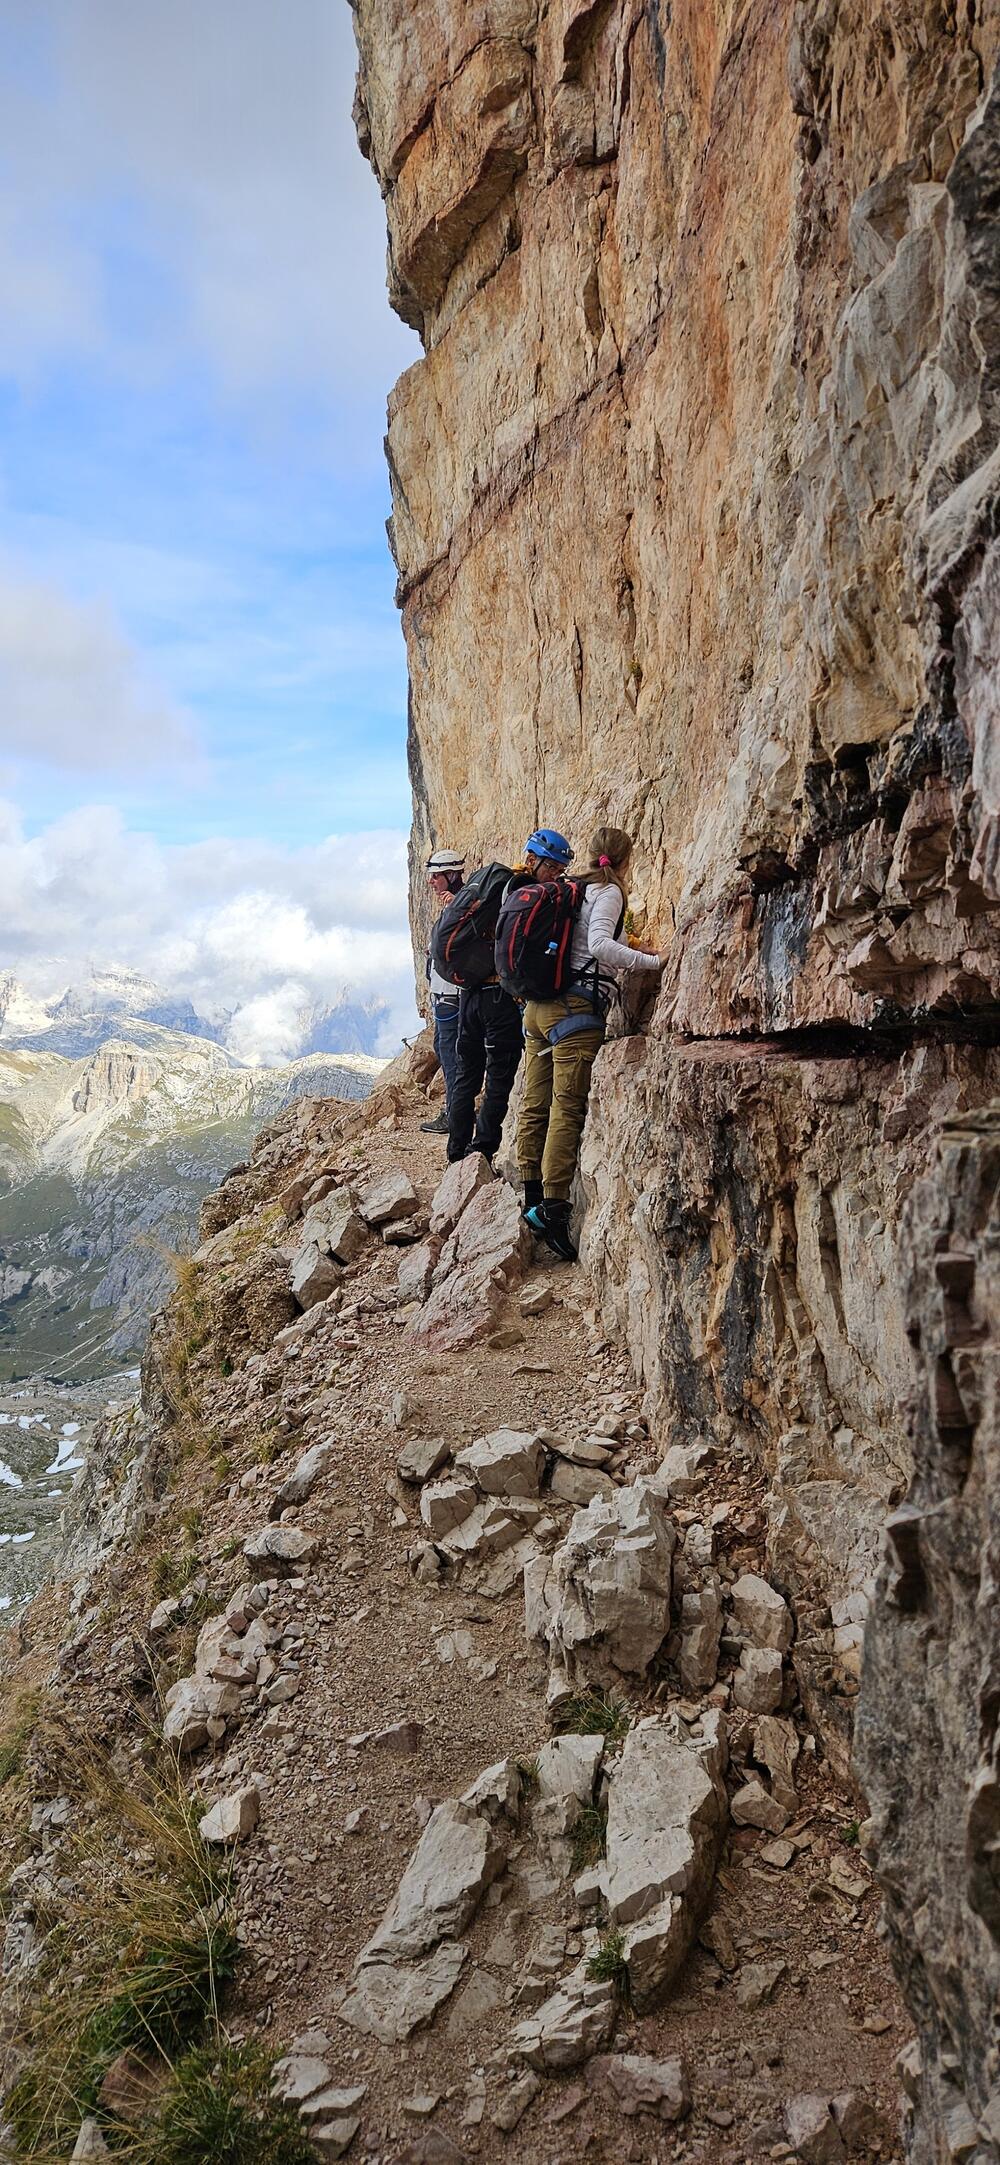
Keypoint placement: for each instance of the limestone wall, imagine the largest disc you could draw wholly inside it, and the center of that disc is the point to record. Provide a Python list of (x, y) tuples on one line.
[(695, 508)]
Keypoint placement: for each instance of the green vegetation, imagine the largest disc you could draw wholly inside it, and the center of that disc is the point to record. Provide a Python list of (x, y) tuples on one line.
[(218, 2106), (589, 1837), (596, 1713), (851, 1834), (169, 1574), (15, 1735), (609, 1964), (138, 1963)]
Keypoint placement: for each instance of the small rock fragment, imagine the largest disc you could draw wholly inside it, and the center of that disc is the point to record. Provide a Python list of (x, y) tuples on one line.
[(233, 1817), (757, 1683), (637, 2083), (278, 1551), (513, 2105)]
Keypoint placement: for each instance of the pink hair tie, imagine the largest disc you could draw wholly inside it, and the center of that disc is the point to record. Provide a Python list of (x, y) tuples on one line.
[(605, 863)]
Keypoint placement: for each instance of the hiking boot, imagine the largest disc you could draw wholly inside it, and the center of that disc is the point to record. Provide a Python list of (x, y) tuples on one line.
[(550, 1221), (435, 1127)]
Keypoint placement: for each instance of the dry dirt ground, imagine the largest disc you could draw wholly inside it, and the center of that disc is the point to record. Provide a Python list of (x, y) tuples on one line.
[(376, 1647)]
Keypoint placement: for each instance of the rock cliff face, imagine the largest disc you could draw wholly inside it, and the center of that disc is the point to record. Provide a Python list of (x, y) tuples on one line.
[(695, 513)]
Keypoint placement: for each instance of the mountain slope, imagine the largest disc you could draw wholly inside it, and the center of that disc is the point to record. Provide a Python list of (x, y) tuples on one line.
[(103, 1163)]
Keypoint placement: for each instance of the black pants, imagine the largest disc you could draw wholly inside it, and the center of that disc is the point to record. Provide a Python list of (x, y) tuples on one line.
[(490, 1042)]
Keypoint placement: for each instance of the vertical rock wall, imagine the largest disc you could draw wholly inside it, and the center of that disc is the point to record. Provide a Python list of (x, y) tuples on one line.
[(695, 509)]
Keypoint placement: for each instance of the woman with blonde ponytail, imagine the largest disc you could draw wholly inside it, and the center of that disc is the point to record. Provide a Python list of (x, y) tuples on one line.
[(563, 1037)]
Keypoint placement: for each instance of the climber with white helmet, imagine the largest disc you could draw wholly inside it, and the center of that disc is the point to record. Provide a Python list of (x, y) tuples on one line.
[(445, 874)]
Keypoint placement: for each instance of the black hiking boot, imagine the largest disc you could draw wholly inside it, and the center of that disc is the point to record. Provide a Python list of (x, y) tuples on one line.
[(550, 1221), (435, 1127), (534, 1197)]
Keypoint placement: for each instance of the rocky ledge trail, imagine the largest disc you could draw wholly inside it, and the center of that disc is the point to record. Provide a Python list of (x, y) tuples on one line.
[(482, 1688)]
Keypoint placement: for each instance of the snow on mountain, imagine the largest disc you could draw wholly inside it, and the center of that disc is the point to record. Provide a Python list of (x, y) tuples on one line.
[(115, 1002)]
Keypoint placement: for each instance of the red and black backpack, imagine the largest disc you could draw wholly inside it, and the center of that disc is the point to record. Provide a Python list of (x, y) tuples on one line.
[(463, 935), (534, 938)]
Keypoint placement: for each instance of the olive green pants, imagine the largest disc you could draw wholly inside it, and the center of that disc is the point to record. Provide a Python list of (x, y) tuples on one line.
[(556, 1089)]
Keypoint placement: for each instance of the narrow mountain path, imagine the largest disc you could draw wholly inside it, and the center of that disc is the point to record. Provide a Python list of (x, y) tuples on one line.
[(393, 1689)]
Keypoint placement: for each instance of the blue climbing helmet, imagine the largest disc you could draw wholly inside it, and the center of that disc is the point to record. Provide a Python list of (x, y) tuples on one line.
[(545, 842)]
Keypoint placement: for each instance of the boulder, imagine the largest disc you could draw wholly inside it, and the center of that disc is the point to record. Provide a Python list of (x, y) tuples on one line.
[(567, 1769), (445, 1504), (604, 1596), (233, 1817), (491, 1528), (776, 1747), (421, 1457), (812, 2130), (457, 1857), (389, 2000), (701, 1630), (636, 2083), (577, 2020), (506, 1463), (303, 1478), (479, 1263), (196, 1711), (753, 1807), (763, 1617), (536, 1298), (413, 1278), (757, 1684), (336, 1226), (391, 1196), (588, 1451), (496, 1793), (461, 1182), (666, 1815), (277, 1552), (579, 1484), (684, 1469), (314, 1274)]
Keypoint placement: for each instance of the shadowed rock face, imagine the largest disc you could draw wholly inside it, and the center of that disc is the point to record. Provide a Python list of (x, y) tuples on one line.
[(929, 1730), (694, 509)]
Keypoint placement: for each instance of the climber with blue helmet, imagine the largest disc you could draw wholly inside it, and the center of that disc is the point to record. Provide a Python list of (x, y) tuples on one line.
[(546, 853)]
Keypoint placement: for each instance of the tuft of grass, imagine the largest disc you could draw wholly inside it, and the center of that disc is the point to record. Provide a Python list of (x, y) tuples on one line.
[(190, 1520), (596, 1713), (169, 1574), (218, 2106), (589, 1836), (851, 1834), (269, 1447), (609, 1964), (138, 1961), (16, 1735), (528, 1771)]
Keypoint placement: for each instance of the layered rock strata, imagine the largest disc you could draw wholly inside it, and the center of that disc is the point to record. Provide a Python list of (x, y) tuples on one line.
[(695, 514)]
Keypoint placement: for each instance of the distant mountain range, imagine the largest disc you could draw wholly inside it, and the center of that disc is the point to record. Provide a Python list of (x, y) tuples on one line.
[(85, 1014), (113, 1126)]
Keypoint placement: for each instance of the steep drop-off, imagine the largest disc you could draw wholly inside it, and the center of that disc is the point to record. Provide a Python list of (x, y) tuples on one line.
[(695, 514)]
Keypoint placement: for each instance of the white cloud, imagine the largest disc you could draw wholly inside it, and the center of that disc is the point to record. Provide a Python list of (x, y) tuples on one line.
[(258, 939), (73, 691), (216, 142)]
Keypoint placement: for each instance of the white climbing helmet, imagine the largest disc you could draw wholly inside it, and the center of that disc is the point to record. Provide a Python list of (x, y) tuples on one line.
[(445, 860)]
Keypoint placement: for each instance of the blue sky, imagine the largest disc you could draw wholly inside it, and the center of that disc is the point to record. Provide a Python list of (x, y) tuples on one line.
[(198, 640)]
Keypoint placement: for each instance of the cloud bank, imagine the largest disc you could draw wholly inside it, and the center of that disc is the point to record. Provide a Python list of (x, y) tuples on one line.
[(259, 939)]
